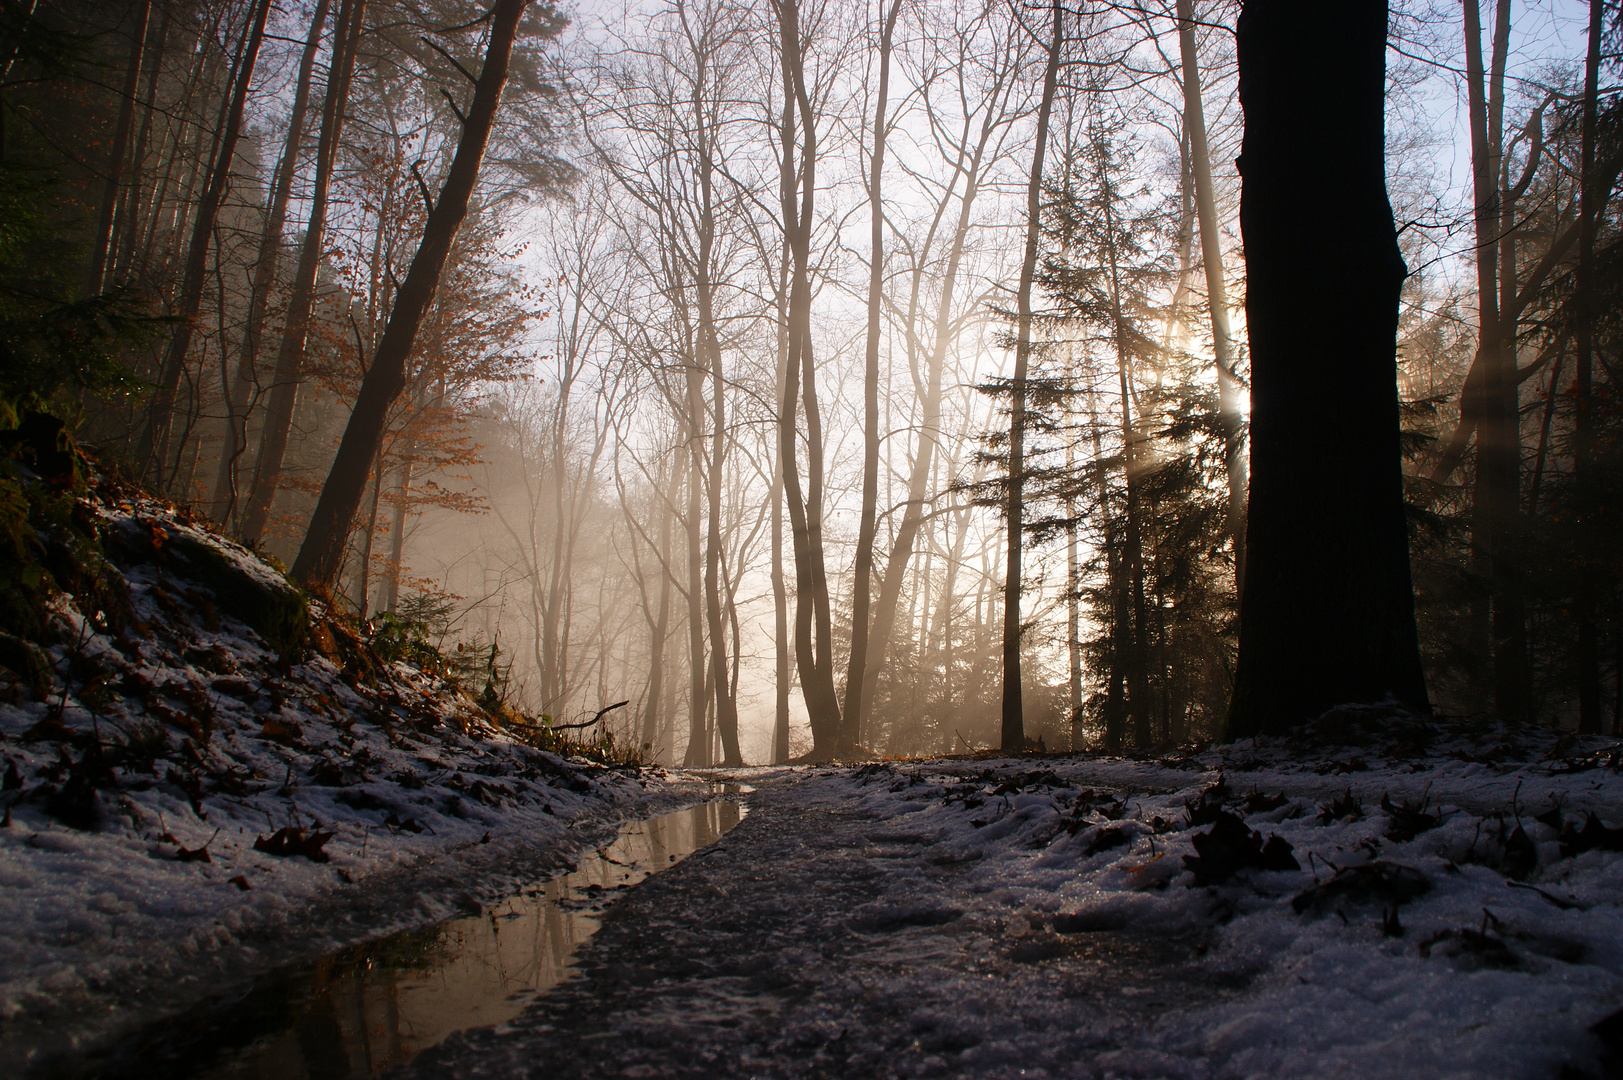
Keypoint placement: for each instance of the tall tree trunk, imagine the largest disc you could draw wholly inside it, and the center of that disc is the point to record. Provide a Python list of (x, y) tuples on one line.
[(323, 546), (698, 748), (780, 607), (301, 294), (661, 628), (1327, 616), (709, 359), (726, 703), (782, 648), (240, 392), (1135, 659), (1496, 517), (1014, 731), (127, 225), (1229, 391), (121, 137), (862, 574), (901, 549), (153, 450), (813, 655), (1073, 609), (389, 597), (363, 569), (1590, 200)]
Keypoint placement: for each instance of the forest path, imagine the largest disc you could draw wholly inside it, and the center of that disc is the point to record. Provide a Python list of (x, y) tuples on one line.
[(823, 937)]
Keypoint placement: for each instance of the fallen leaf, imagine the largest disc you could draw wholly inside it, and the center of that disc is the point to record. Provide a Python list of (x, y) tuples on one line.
[(1229, 847), (408, 825), (293, 840)]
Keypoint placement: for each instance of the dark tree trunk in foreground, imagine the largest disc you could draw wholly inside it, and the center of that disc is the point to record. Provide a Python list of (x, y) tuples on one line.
[(323, 547), (1583, 466), (1327, 614)]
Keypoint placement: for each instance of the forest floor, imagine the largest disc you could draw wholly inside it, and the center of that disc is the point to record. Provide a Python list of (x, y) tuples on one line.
[(1452, 913)]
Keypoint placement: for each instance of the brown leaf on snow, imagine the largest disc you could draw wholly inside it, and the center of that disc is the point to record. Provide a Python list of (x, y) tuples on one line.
[(1229, 847), (196, 854), (408, 825), (285, 732), (293, 840)]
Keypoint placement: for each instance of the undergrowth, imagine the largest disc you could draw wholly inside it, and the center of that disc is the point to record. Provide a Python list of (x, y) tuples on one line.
[(60, 551)]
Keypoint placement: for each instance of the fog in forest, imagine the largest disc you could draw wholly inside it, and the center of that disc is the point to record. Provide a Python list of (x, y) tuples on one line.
[(708, 407)]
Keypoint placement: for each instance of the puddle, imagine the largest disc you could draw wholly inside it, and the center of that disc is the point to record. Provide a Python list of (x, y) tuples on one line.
[(377, 1005)]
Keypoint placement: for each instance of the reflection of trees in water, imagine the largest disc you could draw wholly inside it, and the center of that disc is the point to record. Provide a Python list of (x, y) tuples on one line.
[(377, 1005)]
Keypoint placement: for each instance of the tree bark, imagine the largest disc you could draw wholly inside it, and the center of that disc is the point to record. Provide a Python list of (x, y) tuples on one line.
[(389, 599), (323, 546), (301, 295), (726, 703), (1327, 615), (782, 647), (1013, 729), (660, 630), (782, 650), (239, 393), (708, 359), (1073, 610)]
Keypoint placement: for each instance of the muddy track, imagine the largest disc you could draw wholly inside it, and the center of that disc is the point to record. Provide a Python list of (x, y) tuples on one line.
[(815, 940)]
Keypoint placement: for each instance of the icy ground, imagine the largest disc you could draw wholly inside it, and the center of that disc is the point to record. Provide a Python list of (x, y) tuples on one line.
[(186, 807), (1043, 918)]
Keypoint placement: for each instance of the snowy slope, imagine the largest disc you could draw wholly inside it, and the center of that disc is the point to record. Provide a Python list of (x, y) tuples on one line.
[(187, 805)]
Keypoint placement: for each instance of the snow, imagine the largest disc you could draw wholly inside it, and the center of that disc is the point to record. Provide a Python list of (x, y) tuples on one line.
[(212, 742), (1050, 915), (946, 919), (1488, 979)]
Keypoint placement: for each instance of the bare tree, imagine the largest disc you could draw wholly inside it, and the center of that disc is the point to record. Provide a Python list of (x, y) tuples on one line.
[(153, 448), (278, 420), (322, 550)]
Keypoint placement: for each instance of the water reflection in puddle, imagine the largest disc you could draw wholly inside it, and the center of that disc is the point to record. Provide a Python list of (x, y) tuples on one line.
[(378, 1005)]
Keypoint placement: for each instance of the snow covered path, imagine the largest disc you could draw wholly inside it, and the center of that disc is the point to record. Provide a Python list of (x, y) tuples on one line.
[(1000, 919)]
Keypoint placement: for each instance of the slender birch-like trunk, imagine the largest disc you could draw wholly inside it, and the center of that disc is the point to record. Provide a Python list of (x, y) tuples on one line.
[(1013, 728)]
